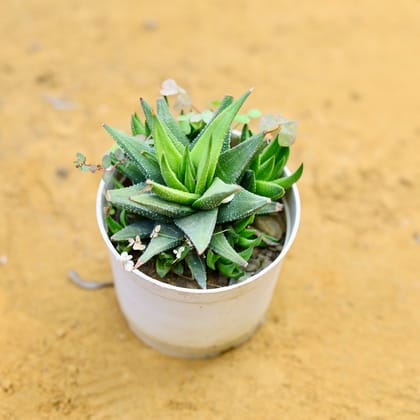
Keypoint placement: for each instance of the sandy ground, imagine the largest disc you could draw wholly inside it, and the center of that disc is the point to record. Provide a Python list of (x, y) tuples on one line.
[(342, 336)]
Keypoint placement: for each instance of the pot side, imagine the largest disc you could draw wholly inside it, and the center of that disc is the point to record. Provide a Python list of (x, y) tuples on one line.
[(196, 323)]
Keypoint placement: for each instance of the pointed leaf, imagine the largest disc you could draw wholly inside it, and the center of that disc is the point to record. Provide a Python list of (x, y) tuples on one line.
[(135, 149), (243, 204), (217, 128), (164, 144), (121, 198), (269, 208), (199, 228), (220, 245), (203, 169), (266, 170), (269, 189), (172, 194), (163, 207), (234, 162), (142, 228), (226, 101), (168, 238), (278, 169), (168, 120), (249, 181), (188, 171), (137, 126), (169, 175), (148, 113), (288, 181), (215, 194), (197, 268)]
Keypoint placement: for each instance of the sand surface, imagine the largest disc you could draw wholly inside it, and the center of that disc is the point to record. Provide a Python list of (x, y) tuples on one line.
[(342, 336)]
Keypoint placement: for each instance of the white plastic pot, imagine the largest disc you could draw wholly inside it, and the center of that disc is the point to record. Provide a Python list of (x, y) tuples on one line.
[(196, 323)]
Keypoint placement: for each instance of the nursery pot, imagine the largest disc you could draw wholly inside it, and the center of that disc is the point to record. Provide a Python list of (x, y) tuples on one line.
[(196, 323)]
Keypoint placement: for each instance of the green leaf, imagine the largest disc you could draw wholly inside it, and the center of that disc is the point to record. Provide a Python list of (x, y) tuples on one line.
[(243, 204), (230, 270), (169, 122), (137, 126), (199, 228), (235, 161), (240, 225), (129, 168), (272, 149), (215, 194), (242, 119), (220, 245), (113, 225), (216, 129), (249, 181), (288, 181), (162, 266), (269, 208), (245, 133), (120, 198), (266, 170), (254, 113), (188, 171), (270, 189), (204, 169), (169, 175), (281, 163), (142, 228), (211, 259), (160, 206), (148, 113), (172, 194), (135, 149), (164, 144), (168, 238), (197, 268)]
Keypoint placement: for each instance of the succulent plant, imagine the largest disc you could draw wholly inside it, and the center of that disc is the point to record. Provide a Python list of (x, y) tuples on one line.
[(186, 191)]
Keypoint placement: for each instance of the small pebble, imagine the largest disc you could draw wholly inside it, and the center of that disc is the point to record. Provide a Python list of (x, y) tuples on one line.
[(6, 385), (3, 260), (62, 172), (150, 25), (416, 237), (60, 333), (59, 103)]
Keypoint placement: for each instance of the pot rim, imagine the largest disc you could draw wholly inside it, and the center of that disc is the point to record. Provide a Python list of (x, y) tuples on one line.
[(292, 224)]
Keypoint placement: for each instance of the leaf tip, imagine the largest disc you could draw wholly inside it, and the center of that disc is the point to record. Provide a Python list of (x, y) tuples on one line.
[(278, 207)]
